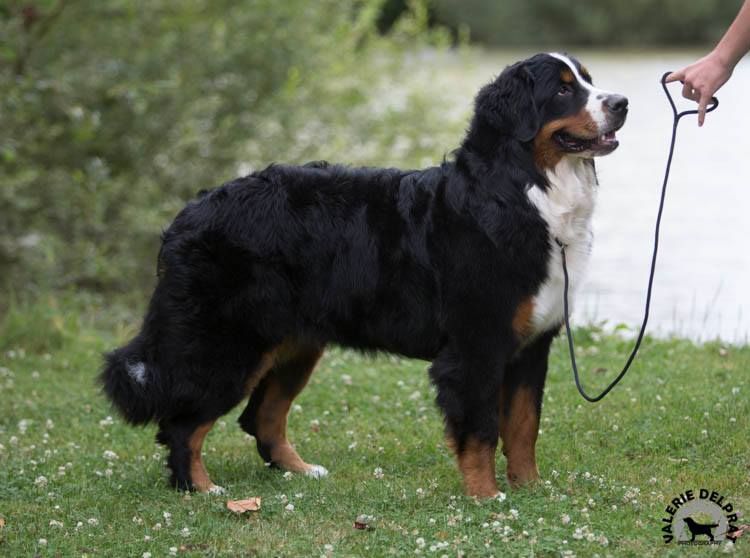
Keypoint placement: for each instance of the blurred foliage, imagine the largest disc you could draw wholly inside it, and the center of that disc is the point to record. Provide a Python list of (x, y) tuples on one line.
[(115, 112), (607, 23)]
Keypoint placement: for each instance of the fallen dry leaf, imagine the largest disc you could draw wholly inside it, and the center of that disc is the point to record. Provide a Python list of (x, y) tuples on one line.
[(2, 523), (741, 530), (241, 506)]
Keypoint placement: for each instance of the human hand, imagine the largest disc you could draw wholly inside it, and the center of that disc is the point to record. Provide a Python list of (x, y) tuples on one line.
[(701, 80)]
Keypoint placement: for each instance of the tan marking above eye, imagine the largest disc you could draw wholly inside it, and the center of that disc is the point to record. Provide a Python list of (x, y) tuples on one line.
[(567, 76)]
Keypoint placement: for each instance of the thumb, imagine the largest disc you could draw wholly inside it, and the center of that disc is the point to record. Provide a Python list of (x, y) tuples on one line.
[(679, 75)]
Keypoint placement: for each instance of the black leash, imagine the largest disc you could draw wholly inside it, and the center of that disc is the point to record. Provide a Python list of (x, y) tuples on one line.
[(641, 333)]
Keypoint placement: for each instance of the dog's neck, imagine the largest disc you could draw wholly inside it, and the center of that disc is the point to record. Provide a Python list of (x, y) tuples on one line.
[(486, 151), (567, 203)]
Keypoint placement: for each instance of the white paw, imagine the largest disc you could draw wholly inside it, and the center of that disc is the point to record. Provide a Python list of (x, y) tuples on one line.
[(216, 490), (317, 472)]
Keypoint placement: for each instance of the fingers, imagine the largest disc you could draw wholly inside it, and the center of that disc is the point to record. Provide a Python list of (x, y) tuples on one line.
[(690, 93), (702, 104)]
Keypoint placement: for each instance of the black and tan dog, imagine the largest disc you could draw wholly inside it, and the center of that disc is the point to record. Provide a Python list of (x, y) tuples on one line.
[(455, 264)]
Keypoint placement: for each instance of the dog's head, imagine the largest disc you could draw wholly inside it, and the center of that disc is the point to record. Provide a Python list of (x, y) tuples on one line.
[(549, 102)]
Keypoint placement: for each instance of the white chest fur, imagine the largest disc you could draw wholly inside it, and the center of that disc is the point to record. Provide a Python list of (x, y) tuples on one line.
[(567, 206)]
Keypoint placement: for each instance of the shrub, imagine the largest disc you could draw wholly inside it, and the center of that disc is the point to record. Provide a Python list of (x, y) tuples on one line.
[(114, 113)]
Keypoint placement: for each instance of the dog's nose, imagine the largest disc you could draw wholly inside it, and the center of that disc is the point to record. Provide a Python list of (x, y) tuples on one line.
[(616, 103)]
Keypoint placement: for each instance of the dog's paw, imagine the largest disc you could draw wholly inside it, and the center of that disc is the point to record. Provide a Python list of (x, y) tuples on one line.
[(317, 472), (216, 490)]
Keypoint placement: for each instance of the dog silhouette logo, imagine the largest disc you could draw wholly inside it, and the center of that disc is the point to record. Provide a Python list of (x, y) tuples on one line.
[(700, 517), (699, 528)]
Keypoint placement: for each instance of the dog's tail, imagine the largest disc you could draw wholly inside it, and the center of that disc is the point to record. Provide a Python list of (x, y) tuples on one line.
[(132, 383)]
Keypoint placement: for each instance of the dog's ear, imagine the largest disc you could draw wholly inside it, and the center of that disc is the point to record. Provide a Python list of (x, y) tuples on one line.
[(507, 104)]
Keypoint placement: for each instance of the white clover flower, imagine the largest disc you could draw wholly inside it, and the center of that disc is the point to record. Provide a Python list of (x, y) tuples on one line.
[(289, 507), (288, 475), (146, 555), (92, 521), (378, 473), (40, 481), (42, 542), (565, 519), (420, 542), (56, 524), (173, 551), (185, 532), (109, 455)]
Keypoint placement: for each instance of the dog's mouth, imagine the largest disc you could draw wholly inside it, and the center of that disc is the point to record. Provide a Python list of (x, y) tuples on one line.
[(603, 144)]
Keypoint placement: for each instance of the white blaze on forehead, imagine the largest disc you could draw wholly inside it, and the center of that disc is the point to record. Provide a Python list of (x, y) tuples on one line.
[(594, 105)]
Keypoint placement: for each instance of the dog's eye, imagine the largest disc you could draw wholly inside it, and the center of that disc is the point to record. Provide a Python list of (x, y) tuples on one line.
[(565, 89)]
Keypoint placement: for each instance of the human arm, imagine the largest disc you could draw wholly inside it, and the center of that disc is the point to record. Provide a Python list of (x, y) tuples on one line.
[(704, 77)]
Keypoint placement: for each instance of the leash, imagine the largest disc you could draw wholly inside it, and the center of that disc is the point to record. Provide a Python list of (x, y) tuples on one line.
[(571, 349)]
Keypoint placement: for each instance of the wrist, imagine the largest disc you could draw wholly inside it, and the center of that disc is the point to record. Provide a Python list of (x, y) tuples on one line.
[(724, 57)]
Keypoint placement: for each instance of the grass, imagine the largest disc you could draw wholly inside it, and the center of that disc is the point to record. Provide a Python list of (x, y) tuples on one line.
[(75, 482)]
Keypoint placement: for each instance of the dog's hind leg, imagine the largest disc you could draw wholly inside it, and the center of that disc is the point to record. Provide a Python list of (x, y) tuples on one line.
[(185, 431), (184, 438), (265, 416), (520, 409)]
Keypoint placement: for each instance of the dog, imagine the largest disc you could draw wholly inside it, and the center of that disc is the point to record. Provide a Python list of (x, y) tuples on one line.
[(698, 528), (457, 264)]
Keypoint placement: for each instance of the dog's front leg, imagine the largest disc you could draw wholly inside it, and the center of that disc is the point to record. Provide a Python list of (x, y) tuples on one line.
[(520, 409), (468, 391)]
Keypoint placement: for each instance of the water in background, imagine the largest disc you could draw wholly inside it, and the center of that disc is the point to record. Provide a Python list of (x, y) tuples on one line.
[(702, 287)]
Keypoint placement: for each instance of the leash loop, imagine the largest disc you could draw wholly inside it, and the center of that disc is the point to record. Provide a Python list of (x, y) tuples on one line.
[(571, 348)]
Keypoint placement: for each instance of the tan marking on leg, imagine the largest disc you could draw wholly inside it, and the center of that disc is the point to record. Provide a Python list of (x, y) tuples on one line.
[(476, 461), (266, 363), (198, 474), (522, 325), (272, 416), (519, 432)]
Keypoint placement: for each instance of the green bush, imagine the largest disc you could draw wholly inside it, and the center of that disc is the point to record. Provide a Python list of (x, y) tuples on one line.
[(114, 113), (607, 23)]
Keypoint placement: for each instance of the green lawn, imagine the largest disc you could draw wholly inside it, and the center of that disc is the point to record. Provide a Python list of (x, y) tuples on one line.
[(75, 482)]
